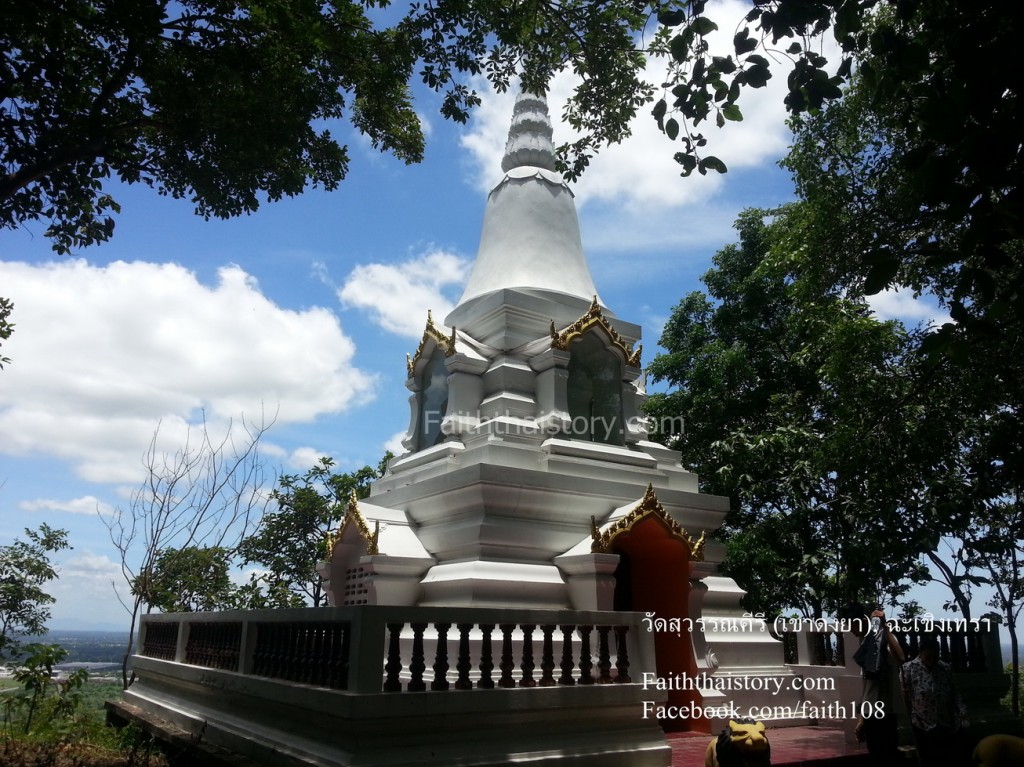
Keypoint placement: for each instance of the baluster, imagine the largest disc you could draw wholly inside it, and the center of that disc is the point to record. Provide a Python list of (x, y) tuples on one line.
[(220, 645), (217, 645), (975, 656), (326, 656), (285, 638), (271, 651), (621, 656), (286, 652), (547, 660), (275, 639), (339, 663), (303, 655), (527, 665), (567, 664), (586, 660), (393, 667), (257, 650), (604, 662), (417, 665), (321, 644), (486, 661), (313, 667), (207, 646), (507, 659), (298, 634), (194, 650), (956, 651), (463, 665), (441, 658)]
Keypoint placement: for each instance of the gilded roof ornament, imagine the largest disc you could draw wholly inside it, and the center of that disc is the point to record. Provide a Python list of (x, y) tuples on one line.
[(355, 517), (594, 317), (648, 505), (431, 333)]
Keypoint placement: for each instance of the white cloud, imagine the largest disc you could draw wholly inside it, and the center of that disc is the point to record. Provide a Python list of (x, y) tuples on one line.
[(104, 354), (397, 296), (87, 504), (86, 589), (303, 458), (394, 444), (895, 304)]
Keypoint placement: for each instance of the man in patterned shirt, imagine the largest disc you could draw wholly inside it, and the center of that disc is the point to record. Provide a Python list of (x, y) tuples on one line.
[(936, 712)]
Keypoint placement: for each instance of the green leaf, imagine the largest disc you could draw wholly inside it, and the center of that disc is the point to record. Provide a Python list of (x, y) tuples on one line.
[(702, 25), (711, 163), (671, 18), (732, 112), (743, 42), (880, 276), (660, 108), (688, 161), (672, 129), (680, 46)]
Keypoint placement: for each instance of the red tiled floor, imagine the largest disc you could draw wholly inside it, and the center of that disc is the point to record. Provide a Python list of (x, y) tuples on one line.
[(803, 746)]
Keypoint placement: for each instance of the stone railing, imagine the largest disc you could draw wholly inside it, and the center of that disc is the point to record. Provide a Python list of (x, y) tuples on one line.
[(822, 650), (393, 649), (400, 685), (968, 646)]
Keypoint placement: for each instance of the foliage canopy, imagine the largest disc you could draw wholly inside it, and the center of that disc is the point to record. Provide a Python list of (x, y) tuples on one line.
[(292, 540), (803, 409), (225, 102), (25, 569)]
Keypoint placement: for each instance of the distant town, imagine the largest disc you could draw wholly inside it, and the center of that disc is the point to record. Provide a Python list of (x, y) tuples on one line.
[(98, 652)]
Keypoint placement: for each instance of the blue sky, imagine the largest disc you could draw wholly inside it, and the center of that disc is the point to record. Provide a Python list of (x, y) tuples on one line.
[(308, 307)]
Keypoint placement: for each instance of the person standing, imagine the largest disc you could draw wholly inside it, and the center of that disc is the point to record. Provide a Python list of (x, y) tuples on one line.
[(937, 714), (877, 723)]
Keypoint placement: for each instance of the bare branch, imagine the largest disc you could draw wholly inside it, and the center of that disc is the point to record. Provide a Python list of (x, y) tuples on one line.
[(207, 492)]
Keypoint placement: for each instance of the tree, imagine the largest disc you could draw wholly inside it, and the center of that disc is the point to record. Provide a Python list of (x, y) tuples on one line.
[(6, 327), (806, 411), (997, 548), (201, 498), (939, 73), (862, 198), (25, 569), (292, 540), (226, 103), (188, 579)]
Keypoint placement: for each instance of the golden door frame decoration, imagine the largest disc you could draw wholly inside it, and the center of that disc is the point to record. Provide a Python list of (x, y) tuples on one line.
[(648, 506)]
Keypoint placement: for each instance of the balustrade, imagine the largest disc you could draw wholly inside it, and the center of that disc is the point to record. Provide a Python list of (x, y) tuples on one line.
[(962, 643), (417, 649)]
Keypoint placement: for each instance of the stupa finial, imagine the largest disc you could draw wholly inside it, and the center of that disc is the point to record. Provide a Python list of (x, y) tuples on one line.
[(529, 138)]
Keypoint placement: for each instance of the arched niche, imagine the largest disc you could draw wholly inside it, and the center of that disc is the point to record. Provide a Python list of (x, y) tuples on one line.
[(594, 389), (431, 379)]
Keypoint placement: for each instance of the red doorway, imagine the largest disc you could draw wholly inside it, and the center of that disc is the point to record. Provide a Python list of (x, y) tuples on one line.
[(653, 576)]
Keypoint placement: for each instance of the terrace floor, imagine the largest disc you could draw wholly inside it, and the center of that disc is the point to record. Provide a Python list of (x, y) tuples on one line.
[(803, 746)]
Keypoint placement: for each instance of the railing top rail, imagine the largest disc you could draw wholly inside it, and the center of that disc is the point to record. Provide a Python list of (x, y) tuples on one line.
[(905, 626), (391, 613)]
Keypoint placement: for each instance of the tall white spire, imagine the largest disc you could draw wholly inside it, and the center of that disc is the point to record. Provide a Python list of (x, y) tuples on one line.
[(529, 139), (531, 234)]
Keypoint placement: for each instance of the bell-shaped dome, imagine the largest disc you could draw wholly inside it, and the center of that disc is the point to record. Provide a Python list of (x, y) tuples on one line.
[(531, 233)]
